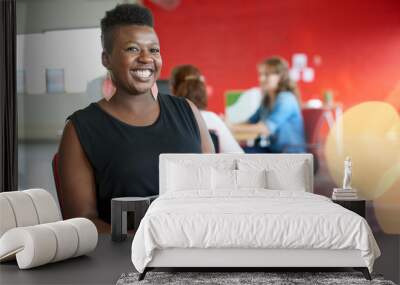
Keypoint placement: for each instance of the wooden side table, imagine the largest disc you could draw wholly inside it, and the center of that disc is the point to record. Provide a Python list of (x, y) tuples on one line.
[(119, 209), (356, 206)]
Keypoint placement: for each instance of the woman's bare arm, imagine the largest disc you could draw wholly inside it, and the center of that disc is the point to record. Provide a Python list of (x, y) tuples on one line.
[(207, 145), (77, 180)]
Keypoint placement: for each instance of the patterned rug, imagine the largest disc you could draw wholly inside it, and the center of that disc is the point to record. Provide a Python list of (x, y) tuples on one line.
[(243, 278)]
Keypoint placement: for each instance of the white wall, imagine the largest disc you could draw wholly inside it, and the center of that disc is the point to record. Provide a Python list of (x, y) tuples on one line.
[(37, 16), (77, 51), (57, 34)]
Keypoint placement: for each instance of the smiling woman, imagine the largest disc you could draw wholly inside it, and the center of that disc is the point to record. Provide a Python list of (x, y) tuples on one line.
[(111, 148)]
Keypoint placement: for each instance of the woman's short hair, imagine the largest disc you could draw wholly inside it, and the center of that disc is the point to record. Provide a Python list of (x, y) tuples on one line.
[(186, 81), (123, 14)]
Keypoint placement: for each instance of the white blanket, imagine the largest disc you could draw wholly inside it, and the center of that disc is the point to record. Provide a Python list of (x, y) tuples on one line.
[(250, 219)]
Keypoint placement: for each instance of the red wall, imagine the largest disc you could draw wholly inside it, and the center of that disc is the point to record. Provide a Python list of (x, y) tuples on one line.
[(357, 40)]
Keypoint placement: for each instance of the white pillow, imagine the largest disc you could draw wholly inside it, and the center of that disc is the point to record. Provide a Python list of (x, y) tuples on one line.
[(188, 177), (287, 174), (251, 178), (292, 179), (223, 179)]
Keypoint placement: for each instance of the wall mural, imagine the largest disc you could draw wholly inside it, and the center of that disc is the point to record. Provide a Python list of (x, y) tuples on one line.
[(341, 54)]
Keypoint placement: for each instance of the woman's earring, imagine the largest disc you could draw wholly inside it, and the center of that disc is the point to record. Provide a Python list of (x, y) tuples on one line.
[(154, 91), (108, 87)]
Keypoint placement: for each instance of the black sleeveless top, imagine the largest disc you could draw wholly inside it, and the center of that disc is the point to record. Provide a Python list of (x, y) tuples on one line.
[(124, 158)]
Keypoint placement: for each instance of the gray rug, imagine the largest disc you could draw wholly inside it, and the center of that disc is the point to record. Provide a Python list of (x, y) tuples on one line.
[(229, 278)]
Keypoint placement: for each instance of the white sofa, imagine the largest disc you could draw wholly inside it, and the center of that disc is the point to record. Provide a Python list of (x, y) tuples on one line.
[(33, 232)]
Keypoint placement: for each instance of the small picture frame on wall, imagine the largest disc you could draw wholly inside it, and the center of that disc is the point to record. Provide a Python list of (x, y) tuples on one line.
[(55, 80), (20, 81), (299, 60)]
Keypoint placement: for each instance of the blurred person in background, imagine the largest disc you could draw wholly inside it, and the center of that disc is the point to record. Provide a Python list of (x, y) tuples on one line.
[(278, 122), (187, 81)]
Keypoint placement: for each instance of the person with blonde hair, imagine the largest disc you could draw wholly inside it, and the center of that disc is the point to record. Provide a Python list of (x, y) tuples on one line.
[(187, 81), (278, 121)]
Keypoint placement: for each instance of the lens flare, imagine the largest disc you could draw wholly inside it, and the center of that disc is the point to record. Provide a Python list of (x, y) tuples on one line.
[(370, 134)]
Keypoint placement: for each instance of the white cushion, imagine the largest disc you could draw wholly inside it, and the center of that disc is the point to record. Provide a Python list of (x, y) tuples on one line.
[(171, 177), (7, 218), (279, 162), (223, 179), (23, 208), (67, 237), (32, 246), (27, 208), (40, 244), (45, 205), (183, 177), (251, 178), (292, 179), (31, 230), (286, 174), (87, 233)]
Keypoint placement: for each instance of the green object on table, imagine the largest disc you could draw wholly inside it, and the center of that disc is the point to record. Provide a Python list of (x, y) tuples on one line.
[(231, 97), (328, 97)]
